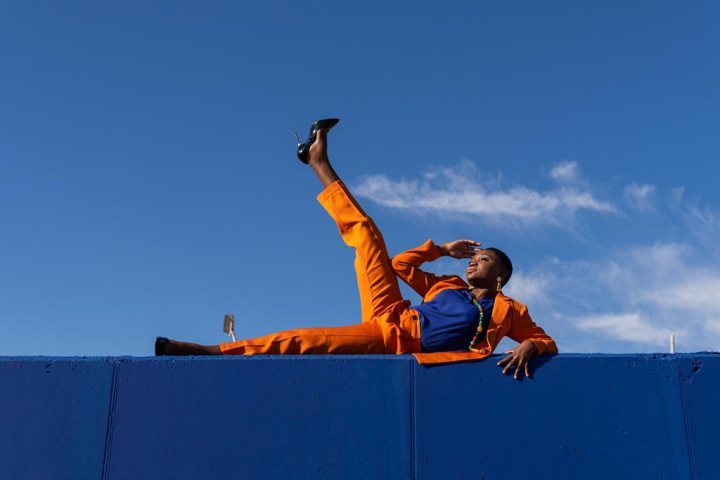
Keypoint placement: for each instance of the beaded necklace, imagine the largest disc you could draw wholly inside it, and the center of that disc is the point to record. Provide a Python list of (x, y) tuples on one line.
[(480, 322)]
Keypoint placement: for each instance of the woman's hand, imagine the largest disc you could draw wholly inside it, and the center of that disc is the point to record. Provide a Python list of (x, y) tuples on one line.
[(519, 357), (459, 248)]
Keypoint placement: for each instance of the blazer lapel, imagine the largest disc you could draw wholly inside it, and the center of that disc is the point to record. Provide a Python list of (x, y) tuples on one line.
[(500, 312)]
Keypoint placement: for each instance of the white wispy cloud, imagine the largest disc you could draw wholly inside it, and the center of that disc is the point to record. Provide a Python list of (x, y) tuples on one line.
[(531, 288), (627, 326), (630, 299), (698, 221), (462, 189), (565, 171), (640, 197)]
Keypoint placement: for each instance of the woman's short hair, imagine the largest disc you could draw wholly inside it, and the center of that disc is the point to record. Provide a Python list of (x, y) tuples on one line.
[(506, 263)]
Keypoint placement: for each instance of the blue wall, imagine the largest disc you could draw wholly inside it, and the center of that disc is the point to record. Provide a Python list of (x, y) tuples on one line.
[(371, 417)]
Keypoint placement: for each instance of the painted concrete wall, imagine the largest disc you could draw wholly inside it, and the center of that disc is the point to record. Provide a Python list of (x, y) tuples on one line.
[(371, 417)]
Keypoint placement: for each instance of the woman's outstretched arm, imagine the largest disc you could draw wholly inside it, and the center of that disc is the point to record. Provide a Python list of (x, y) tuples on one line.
[(406, 264)]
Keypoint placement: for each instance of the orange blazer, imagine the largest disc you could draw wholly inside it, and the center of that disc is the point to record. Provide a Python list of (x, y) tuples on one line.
[(509, 317)]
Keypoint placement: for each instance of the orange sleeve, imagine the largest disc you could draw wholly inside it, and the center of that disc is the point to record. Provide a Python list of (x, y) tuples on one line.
[(523, 328), (406, 267)]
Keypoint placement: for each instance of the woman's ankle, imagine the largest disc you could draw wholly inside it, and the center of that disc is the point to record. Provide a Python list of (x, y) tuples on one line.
[(174, 347)]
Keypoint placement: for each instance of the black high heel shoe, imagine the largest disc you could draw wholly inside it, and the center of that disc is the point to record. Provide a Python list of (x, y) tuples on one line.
[(304, 148)]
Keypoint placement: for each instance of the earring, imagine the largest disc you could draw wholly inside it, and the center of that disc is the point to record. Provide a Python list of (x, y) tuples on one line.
[(499, 284)]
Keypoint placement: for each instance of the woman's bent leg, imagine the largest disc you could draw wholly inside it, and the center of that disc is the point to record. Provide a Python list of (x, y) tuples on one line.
[(365, 338)]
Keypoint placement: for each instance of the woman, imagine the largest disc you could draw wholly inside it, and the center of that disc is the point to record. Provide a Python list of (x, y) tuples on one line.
[(457, 321)]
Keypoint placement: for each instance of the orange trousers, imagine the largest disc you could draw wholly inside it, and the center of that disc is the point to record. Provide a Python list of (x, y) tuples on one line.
[(388, 325)]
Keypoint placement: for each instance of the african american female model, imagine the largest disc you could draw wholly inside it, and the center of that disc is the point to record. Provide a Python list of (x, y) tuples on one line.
[(457, 320)]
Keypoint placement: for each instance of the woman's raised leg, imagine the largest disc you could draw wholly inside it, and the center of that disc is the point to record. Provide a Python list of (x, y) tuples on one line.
[(377, 283)]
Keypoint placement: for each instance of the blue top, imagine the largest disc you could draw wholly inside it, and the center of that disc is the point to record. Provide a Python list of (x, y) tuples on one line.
[(449, 321)]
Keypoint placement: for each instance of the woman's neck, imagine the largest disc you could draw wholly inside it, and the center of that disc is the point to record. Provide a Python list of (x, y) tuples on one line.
[(480, 292)]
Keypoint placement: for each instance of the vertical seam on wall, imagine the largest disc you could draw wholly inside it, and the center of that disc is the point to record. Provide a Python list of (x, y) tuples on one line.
[(110, 424), (413, 453), (686, 415)]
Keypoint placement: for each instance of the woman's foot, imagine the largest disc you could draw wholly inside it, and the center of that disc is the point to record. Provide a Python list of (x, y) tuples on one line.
[(319, 161), (326, 124), (165, 346)]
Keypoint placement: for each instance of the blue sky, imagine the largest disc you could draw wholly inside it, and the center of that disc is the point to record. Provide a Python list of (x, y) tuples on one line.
[(148, 182)]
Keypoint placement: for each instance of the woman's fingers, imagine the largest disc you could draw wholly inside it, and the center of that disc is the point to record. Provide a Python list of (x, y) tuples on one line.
[(513, 363), (516, 365), (520, 362), (464, 248), (522, 365), (504, 360)]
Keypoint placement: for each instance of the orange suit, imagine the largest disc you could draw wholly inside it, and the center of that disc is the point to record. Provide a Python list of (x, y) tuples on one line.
[(389, 324)]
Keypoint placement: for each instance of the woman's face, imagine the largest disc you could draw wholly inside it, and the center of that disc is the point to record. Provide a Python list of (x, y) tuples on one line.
[(483, 269)]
